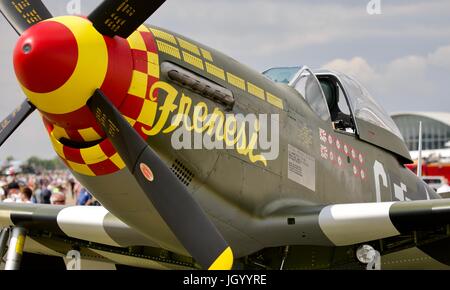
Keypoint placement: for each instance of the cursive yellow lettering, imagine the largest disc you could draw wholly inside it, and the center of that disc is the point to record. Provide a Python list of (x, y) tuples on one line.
[(167, 108)]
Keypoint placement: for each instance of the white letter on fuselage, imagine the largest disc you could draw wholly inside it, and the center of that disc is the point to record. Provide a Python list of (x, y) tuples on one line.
[(378, 171)]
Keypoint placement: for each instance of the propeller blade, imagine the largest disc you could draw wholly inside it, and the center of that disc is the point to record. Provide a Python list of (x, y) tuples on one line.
[(170, 197), (13, 121), (122, 17), (22, 14)]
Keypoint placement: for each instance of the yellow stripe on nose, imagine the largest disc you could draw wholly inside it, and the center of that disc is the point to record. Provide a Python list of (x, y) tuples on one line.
[(89, 74)]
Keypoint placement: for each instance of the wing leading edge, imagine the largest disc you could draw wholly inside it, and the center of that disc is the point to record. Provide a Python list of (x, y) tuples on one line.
[(93, 224), (347, 224), (96, 233)]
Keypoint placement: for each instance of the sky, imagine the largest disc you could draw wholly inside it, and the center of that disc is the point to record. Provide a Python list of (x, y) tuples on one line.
[(401, 55)]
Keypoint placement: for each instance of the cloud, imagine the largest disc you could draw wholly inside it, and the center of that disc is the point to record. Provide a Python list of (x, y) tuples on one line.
[(256, 29), (356, 66), (408, 79), (441, 57), (407, 66)]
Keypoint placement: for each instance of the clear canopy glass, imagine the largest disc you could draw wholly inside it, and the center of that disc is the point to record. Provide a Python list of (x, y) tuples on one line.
[(365, 107), (282, 74)]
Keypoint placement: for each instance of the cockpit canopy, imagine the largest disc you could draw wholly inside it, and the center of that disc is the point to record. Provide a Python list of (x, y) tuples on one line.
[(365, 107), (362, 104), (364, 116), (282, 75)]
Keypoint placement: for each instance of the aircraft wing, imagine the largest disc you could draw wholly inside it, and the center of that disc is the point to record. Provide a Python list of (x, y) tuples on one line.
[(100, 236), (346, 224), (420, 227), (350, 224), (92, 230)]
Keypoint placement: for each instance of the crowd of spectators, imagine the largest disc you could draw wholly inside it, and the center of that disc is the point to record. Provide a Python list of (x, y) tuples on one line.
[(56, 187)]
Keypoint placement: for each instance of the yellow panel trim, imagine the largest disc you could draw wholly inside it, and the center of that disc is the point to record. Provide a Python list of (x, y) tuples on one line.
[(89, 134), (117, 161), (189, 46), (153, 70), (132, 122), (153, 64), (236, 81), (164, 36), (215, 71), (60, 132), (136, 41), (153, 57), (93, 155), (256, 91), (143, 28), (138, 85), (277, 102), (57, 146), (168, 49), (81, 168), (224, 261), (20, 243), (192, 60), (207, 55), (148, 113)]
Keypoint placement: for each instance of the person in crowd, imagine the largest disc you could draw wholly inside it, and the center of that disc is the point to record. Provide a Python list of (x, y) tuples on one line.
[(2, 190), (72, 186), (12, 193), (47, 187), (25, 195), (58, 196), (84, 197), (43, 193)]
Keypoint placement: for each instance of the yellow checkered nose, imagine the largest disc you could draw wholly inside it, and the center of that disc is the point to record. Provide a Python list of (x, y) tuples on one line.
[(131, 83), (60, 62)]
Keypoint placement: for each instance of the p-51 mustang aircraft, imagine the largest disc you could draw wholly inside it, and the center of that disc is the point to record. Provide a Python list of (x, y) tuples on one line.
[(202, 162)]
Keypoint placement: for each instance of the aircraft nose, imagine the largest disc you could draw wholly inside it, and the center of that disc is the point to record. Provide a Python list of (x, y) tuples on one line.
[(45, 57), (59, 63)]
